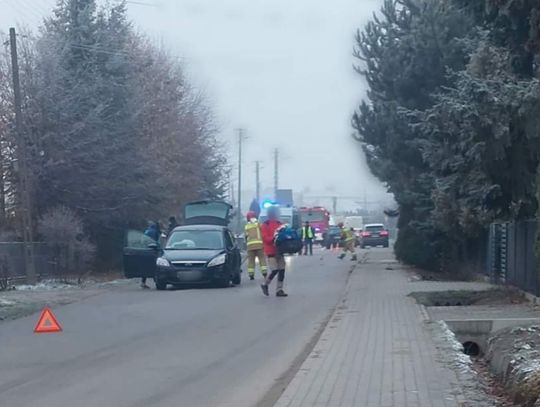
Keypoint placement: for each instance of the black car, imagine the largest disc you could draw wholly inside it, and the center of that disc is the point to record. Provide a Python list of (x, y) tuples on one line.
[(202, 251), (374, 235), (332, 237)]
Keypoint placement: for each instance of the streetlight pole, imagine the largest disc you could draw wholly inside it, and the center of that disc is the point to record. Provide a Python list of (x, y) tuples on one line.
[(258, 181)]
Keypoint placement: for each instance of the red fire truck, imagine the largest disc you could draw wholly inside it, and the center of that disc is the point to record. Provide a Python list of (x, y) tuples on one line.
[(319, 219)]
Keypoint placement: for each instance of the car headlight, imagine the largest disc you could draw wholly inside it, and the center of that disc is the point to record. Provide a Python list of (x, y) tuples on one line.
[(218, 261), (161, 261)]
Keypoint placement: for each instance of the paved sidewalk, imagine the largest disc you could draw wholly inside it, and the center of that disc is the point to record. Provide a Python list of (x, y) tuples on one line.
[(376, 351)]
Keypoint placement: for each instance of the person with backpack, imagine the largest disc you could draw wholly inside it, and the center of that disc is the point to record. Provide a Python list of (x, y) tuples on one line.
[(276, 260), (254, 242)]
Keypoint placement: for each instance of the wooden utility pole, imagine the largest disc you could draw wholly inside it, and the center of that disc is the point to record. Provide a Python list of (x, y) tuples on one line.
[(241, 138), (23, 187), (2, 188)]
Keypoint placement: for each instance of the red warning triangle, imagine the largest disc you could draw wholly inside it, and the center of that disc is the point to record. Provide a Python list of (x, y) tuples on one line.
[(47, 323)]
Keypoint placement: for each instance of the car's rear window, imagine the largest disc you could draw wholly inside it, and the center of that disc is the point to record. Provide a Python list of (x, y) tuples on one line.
[(375, 228)]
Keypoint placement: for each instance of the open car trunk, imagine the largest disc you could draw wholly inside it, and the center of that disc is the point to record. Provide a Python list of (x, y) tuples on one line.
[(207, 213)]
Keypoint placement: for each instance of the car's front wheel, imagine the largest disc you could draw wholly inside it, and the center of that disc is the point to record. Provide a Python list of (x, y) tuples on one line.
[(223, 283), (161, 285)]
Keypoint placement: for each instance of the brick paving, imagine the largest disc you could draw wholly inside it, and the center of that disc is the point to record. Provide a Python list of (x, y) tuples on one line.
[(376, 350)]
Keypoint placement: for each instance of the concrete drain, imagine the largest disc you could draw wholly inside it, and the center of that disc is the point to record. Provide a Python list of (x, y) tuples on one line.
[(471, 348), (465, 297)]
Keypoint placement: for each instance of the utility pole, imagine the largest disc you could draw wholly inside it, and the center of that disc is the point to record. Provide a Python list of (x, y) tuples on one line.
[(258, 181), (365, 201), (2, 188), (334, 205), (24, 188), (276, 172), (241, 138)]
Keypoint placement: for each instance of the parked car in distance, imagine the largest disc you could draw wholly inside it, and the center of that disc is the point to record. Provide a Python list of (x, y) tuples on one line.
[(357, 224), (374, 234), (332, 237)]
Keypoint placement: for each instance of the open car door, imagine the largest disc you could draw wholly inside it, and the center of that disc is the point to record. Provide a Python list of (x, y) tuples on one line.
[(140, 254), (207, 213)]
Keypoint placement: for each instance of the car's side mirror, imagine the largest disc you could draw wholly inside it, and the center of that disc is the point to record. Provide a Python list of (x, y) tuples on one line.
[(153, 246)]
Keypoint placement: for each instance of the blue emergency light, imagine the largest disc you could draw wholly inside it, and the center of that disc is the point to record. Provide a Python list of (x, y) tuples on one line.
[(267, 204)]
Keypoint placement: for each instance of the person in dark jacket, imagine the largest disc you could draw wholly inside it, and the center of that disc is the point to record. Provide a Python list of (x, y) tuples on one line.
[(153, 232), (172, 224)]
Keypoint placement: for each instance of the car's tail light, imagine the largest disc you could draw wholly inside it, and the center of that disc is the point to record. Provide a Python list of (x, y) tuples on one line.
[(366, 234), (383, 233)]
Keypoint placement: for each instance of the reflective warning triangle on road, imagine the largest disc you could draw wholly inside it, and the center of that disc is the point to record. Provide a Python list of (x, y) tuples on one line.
[(47, 323)]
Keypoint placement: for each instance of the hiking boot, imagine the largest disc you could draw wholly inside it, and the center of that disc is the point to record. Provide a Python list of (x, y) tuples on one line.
[(264, 289), (341, 256), (251, 277), (354, 258), (281, 293)]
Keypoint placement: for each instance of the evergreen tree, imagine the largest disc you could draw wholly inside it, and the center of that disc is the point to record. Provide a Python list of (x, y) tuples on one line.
[(405, 57)]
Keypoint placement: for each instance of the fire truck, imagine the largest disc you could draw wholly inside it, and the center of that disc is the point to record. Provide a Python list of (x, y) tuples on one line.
[(319, 218)]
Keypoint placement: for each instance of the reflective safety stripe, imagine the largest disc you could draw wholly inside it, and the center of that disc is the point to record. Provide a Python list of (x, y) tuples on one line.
[(348, 235), (253, 234)]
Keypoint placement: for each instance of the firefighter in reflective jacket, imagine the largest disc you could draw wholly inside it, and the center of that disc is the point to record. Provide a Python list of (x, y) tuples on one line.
[(349, 242), (254, 245)]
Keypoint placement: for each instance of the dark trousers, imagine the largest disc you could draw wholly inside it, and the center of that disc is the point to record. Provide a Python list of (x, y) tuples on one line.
[(308, 245)]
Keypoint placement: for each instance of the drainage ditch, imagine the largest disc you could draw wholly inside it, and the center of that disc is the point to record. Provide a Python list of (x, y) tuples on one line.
[(504, 351)]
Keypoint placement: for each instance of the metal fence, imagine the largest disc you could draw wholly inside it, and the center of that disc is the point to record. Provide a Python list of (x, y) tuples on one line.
[(12, 265), (511, 255)]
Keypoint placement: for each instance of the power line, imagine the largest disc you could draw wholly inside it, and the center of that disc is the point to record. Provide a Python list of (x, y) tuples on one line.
[(142, 3), (94, 48), (100, 50), (37, 5), (19, 11), (30, 9)]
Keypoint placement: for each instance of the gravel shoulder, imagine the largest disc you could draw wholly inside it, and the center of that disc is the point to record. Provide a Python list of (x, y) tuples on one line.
[(26, 300)]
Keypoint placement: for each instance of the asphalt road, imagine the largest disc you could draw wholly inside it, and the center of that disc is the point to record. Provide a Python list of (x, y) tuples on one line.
[(197, 347)]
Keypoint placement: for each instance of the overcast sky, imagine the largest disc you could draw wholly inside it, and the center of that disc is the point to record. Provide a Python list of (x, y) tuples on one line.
[(281, 69)]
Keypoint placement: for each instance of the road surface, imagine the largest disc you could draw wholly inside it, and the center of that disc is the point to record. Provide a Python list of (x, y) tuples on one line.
[(200, 347)]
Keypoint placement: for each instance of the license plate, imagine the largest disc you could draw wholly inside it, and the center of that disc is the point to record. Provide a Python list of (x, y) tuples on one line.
[(189, 275)]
